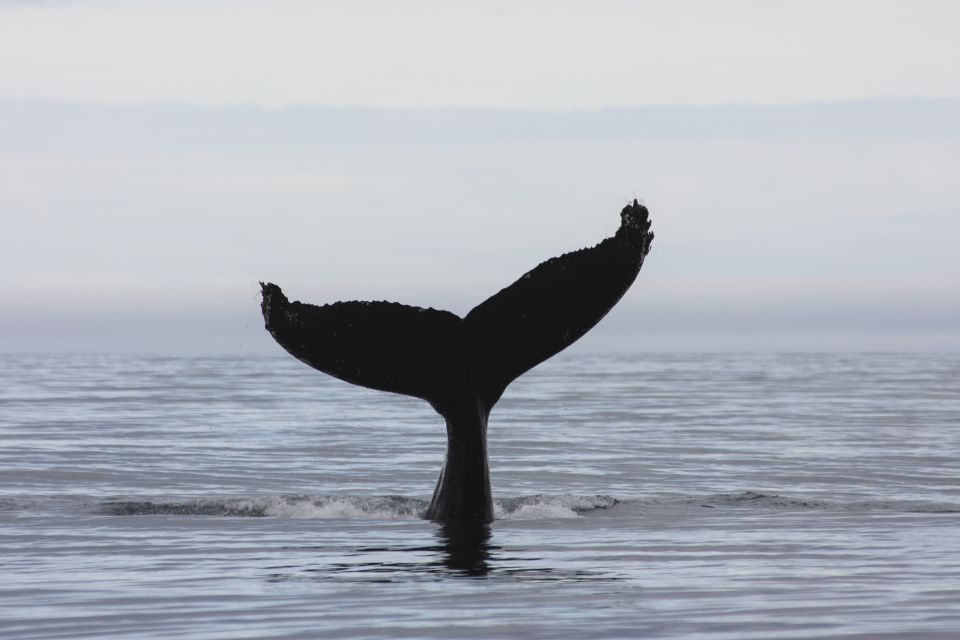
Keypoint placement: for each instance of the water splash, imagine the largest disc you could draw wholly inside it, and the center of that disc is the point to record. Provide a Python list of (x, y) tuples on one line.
[(389, 507), (541, 507)]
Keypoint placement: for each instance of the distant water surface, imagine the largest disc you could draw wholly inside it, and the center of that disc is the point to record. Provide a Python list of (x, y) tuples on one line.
[(674, 496)]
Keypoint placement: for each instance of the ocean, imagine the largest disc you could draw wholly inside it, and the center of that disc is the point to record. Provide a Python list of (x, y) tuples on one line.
[(709, 496)]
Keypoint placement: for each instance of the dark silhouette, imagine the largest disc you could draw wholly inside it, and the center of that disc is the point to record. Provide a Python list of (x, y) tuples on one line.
[(462, 366), (466, 547)]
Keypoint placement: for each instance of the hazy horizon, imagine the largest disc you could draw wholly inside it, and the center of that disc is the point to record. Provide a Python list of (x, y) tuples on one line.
[(157, 161), (808, 227)]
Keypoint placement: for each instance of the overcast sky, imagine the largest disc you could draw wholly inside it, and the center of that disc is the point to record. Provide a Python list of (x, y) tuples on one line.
[(158, 158), (547, 54)]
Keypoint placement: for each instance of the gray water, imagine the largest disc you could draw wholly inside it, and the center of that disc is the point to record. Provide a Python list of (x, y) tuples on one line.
[(675, 496)]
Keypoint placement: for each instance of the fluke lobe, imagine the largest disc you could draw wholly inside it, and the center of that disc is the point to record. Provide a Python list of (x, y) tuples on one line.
[(462, 366)]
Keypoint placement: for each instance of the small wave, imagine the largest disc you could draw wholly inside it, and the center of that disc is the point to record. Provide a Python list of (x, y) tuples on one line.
[(533, 507), (754, 499), (289, 506), (906, 506), (541, 507), (536, 507)]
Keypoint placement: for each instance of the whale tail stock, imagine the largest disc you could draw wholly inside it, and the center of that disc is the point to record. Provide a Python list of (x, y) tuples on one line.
[(462, 366)]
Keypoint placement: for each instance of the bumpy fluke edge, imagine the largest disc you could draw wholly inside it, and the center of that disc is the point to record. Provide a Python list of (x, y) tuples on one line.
[(381, 345), (432, 354), (553, 305)]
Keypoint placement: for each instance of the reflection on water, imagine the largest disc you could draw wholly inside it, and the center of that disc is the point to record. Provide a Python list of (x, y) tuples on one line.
[(460, 550), (466, 547), (744, 496)]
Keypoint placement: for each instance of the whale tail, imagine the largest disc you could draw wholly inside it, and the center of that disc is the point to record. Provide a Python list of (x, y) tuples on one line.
[(381, 345), (462, 366)]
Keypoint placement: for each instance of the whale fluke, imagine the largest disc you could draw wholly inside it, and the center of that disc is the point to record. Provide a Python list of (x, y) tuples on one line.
[(381, 345), (462, 366)]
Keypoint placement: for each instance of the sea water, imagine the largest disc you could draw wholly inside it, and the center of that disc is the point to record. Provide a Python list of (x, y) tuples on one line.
[(677, 496)]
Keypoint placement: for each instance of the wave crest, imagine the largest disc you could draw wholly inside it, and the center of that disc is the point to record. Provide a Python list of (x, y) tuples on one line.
[(533, 507), (390, 507), (540, 506), (754, 499)]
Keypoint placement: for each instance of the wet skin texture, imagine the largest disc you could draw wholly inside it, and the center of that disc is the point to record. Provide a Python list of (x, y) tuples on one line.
[(462, 366)]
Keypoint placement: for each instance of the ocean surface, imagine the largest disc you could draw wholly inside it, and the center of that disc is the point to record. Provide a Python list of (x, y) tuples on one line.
[(657, 496)]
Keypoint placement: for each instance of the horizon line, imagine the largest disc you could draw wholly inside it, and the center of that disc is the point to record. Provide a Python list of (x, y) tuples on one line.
[(268, 107)]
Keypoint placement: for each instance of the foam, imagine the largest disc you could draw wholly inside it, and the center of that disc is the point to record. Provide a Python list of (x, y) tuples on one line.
[(287, 506), (389, 507), (533, 507), (542, 507)]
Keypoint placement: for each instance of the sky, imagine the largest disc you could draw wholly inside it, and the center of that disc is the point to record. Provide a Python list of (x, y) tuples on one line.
[(158, 159), (544, 54)]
